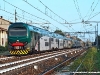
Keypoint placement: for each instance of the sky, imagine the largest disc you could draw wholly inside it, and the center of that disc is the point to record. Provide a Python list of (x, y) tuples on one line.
[(65, 15)]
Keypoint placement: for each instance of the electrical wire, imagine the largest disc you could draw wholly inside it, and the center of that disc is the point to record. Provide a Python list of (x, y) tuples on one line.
[(29, 13), (89, 9), (93, 9), (94, 15), (16, 15), (57, 15), (51, 10), (40, 10), (44, 13), (21, 10), (11, 13), (77, 8), (25, 11)]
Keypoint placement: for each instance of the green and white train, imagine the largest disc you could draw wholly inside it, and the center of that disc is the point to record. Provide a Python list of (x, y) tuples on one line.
[(24, 39)]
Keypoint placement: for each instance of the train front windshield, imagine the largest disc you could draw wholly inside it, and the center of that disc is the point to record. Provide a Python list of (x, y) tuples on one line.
[(18, 31)]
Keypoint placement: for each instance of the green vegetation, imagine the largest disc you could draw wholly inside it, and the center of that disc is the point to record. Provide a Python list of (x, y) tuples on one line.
[(59, 32), (91, 61), (3, 49), (97, 61)]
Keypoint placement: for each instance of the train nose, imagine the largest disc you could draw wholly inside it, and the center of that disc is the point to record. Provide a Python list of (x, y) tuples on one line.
[(17, 44)]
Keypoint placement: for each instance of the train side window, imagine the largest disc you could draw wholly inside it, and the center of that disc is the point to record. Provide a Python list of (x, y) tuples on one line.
[(51, 39), (38, 37), (61, 44), (35, 37), (46, 44), (56, 40), (45, 39)]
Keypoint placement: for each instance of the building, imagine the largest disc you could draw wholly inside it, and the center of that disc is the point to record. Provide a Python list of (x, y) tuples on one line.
[(3, 30)]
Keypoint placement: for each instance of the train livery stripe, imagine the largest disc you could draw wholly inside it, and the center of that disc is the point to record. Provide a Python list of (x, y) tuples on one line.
[(19, 52)]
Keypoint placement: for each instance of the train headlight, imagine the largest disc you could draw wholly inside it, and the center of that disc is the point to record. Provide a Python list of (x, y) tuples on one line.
[(17, 40)]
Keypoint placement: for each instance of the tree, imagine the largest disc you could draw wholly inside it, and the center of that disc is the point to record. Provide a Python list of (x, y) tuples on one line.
[(79, 39), (59, 32)]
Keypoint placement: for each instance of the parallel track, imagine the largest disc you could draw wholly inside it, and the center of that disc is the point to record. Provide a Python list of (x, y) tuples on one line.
[(7, 68)]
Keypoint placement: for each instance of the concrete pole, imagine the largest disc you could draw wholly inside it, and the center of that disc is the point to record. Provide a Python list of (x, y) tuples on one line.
[(97, 36)]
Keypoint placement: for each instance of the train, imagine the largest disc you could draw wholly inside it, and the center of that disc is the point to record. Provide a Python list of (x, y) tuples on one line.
[(24, 39)]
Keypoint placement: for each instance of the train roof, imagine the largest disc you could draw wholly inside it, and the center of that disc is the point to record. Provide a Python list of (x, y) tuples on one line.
[(41, 31), (45, 32)]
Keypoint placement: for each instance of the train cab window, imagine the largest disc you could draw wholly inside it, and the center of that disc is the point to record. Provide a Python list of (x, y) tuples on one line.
[(46, 44), (18, 31)]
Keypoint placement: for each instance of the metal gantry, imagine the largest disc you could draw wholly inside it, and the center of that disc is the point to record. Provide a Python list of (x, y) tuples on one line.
[(97, 29)]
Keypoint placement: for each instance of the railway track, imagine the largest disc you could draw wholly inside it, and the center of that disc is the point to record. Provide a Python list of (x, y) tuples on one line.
[(51, 71), (12, 58), (19, 65)]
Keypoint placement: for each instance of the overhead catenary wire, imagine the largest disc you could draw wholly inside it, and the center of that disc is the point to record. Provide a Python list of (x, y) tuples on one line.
[(29, 13), (66, 26), (11, 13), (57, 27), (94, 15), (57, 15), (78, 11), (31, 18), (51, 10), (93, 9), (89, 9), (16, 15), (40, 10), (25, 11), (88, 13), (46, 14), (77, 8)]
